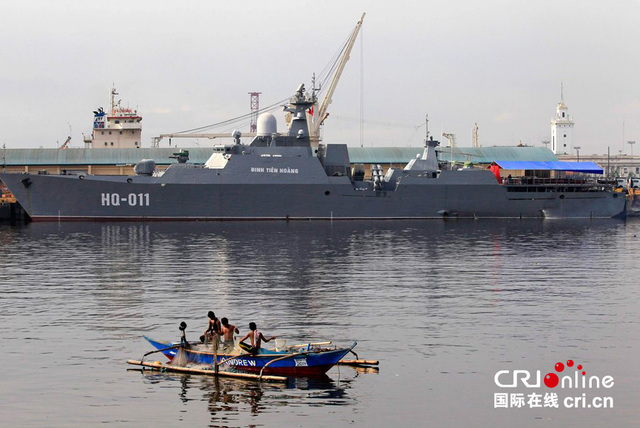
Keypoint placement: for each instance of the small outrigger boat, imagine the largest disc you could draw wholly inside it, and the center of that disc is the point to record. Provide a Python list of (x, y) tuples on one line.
[(311, 359)]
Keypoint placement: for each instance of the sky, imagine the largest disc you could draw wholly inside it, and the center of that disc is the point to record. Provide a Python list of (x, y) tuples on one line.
[(183, 65)]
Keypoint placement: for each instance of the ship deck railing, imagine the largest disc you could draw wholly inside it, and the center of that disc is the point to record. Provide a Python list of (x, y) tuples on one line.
[(562, 184)]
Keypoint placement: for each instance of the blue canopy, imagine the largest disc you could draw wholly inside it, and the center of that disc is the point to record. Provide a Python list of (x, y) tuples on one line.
[(586, 167)]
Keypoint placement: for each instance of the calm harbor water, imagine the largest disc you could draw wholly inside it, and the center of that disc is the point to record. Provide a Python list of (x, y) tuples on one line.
[(444, 306)]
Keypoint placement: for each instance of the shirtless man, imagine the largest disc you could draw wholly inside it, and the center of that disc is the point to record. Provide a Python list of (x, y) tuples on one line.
[(227, 332), (213, 327), (256, 338)]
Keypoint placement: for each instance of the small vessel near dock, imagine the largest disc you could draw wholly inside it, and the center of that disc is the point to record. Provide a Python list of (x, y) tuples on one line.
[(630, 188)]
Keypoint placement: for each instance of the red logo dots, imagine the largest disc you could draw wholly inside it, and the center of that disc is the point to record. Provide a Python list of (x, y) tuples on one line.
[(551, 380)]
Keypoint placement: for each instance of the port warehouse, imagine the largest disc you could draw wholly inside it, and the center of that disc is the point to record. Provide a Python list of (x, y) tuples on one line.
[(122, 161)]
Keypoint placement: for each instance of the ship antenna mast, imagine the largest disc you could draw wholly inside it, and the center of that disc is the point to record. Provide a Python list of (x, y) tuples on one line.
[(314, 89), (427, 126), (113, 100)]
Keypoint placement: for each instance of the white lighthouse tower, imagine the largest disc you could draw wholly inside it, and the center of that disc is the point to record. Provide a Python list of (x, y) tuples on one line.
[(562, 129)]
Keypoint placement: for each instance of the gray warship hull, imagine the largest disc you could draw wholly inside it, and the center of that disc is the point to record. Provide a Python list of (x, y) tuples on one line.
[(279, 177), (463, 194)]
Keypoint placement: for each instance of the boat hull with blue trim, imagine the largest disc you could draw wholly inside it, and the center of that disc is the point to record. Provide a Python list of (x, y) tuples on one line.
[(302, 362)]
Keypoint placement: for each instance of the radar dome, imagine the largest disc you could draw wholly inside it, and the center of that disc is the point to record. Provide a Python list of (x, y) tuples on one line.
[(267, 125)]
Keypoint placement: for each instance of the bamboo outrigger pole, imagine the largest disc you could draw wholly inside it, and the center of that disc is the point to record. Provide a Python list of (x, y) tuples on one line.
[(359, 362), (165, 367)]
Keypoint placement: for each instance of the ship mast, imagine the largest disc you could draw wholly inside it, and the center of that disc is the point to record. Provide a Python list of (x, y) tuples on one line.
[(113, 100)]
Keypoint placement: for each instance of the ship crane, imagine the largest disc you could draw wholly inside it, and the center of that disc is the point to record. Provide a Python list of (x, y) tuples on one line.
[(318, 115), (451, 138), (66, 143), (155, 141), (474, 136), (322, 114)]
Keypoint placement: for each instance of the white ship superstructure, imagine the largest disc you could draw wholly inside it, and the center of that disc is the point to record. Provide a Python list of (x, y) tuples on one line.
[(119, 128)]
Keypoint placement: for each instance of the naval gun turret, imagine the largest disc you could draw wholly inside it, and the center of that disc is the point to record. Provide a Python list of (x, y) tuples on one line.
[(145, 167), (182, 156)]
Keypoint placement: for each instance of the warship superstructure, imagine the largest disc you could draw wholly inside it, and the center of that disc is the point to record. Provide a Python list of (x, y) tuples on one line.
[(290, 176)]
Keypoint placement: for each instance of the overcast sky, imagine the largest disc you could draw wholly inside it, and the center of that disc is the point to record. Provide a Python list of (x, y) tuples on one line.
[(190, 64)]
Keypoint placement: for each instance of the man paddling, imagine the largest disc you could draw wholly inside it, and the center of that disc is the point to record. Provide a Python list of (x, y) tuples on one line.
[(227, 335), (256, 339)]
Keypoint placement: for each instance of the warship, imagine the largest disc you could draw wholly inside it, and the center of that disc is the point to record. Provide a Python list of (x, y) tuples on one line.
[(291, 176)]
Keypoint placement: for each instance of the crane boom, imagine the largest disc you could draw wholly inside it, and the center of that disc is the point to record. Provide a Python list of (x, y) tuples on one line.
[(322, 111), (66, 143), (319, 116), (474, 136), (155, 141), (451, 138)]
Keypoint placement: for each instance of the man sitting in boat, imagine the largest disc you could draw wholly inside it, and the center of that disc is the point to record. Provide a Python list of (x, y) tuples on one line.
[(256, 339), (213, 327), (227, 335)]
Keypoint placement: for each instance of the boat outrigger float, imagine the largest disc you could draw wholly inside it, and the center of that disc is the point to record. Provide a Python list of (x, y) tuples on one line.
[(309, 359)]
